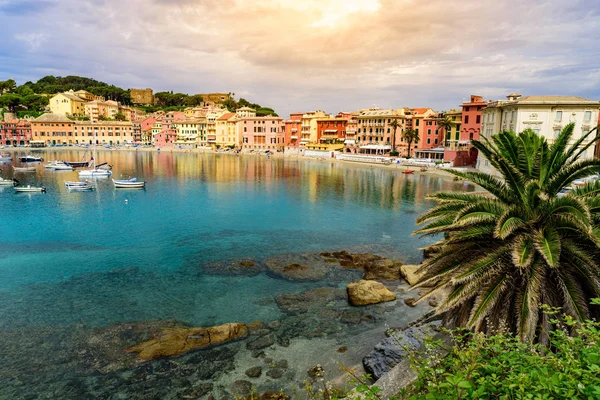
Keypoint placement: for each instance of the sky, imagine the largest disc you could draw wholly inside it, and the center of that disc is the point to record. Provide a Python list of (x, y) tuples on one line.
[(303, 55)]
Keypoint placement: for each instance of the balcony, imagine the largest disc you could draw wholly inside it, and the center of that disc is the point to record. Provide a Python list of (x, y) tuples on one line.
[(294, 137)]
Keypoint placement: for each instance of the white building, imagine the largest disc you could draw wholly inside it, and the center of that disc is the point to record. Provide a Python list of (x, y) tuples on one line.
[(545, 115)]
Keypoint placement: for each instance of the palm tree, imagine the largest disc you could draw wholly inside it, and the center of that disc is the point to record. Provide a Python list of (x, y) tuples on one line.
[(445, 123), (520, 245), (410, 135), (394, 125)]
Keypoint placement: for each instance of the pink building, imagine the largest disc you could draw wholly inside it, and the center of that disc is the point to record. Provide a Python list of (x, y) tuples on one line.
[(15, 133), (262, 133), (165, 138)]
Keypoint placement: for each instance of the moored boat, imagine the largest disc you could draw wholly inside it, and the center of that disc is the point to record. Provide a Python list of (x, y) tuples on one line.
[(31, 158), (7, 182), (86, 187), (76, 183), (58, 166), (24, 169), (132, 183), (408, 171), (29, 188), (5, 157), (95, 173)]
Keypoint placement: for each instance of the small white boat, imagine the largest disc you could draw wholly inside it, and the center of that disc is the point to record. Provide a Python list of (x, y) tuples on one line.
[(95, 173), (132, 183), (7, 182), (24, 169), (87, 187), (76, 183), (59, 166), (31, 158), (29, 188)]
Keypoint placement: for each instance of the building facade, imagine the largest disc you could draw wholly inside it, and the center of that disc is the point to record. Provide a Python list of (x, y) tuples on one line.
[(142, 96), (544, 115), (67, 103), (15, 132), (262, 133), (51, 129)]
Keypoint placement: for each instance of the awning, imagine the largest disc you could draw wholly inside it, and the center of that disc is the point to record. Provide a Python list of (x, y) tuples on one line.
[(376, 147), (348, 141)]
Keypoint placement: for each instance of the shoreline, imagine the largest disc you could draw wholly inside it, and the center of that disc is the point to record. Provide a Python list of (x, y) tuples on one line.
[(333, 161)]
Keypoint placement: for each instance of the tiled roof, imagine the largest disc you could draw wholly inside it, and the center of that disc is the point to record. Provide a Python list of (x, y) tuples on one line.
[(51, 117), (72, 96), (226, 116)]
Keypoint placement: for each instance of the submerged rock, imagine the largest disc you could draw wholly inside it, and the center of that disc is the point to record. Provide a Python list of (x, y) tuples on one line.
[(176, 341), (391, 350), (375, 267), (235, 267), (293, 303), (297, 267), (241, 388), (365, 292), (254, 372), (261, 342)]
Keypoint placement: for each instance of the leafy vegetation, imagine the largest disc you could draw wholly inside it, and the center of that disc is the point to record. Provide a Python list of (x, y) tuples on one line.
[(501, 366), (56, 84), (506, 252), (410, 136), (261, 111), (14, 98)]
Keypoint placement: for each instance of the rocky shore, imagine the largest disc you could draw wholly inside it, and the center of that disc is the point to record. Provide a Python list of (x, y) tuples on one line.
[(353, 297)]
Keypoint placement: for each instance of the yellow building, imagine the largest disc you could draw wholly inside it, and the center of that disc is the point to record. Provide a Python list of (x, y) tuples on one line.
[(211, 127), (107, 132), (227, 130), (67, 103), (309, 126), (453, 137), (189, 133)]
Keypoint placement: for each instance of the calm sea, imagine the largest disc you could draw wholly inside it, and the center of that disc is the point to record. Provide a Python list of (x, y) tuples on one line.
[(115, 255)]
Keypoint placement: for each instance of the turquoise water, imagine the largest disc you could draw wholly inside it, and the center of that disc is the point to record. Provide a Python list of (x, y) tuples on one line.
[(112, 256)]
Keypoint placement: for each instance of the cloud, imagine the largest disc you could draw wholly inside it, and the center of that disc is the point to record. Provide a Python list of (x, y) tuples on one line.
[(328, 54)]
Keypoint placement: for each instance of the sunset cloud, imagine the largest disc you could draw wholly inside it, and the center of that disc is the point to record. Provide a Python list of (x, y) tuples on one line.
[(302, 55)]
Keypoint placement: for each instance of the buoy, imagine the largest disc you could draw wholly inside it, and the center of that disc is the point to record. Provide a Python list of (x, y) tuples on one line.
[(126, 201)]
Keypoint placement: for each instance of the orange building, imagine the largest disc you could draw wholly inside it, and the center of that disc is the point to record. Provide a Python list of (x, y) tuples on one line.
[(51, 129)]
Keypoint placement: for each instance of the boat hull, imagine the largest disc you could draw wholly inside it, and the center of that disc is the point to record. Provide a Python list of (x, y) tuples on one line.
[(24, 169), (95, 173), (131, 184), (29, 189)]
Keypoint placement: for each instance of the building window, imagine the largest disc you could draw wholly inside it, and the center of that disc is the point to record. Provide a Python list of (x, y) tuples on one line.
[(429, 131), (466, 119), (587, 116), (478, 119), (467, 109), (558, 116), (556, 133), (428, 140), (536, 131)]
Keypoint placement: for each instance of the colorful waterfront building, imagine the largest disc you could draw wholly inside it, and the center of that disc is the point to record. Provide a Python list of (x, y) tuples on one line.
[(226, 133), (309, 131), (471, 119), (292, 128), (15, 132), (331, 133), (374, 132), (544, 115), (188, 133), (261, 133), (106, 132), (51, 129), (146, 126)]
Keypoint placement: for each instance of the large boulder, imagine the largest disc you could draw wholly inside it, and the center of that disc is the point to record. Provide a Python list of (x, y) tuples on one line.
[(363, 292), (375, 267), (409, 274), (176, 341), (392, 350)]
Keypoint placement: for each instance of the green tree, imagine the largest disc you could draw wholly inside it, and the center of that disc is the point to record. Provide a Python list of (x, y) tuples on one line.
[(394, 125), (410, 136), (445, 124), (519, 245), (10, 101), (120, 117), (8, 86)]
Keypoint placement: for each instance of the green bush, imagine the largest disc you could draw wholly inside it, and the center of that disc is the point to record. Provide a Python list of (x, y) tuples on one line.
[(502, 367), (394, 154)]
